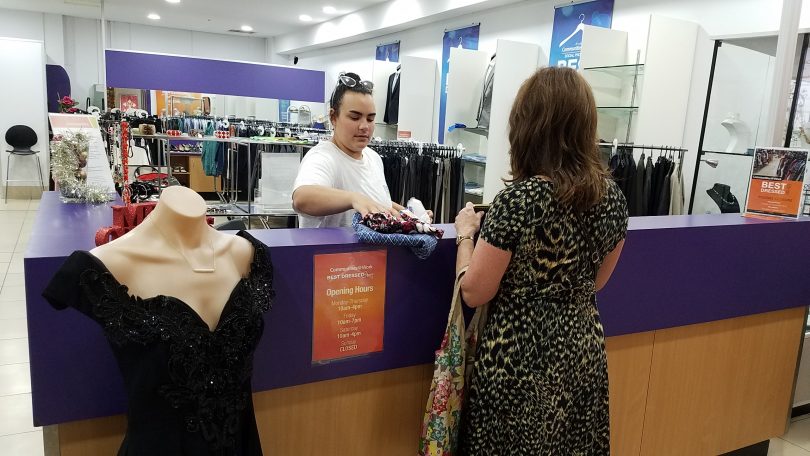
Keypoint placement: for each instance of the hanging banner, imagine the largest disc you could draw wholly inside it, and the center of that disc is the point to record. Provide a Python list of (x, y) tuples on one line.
[(349, 305), (465, 38), (283, 114), (569, 22), (777, 182), (388, 52)]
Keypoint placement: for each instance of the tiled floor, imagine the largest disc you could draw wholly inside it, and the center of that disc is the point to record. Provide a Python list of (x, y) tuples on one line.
[(18, 437)]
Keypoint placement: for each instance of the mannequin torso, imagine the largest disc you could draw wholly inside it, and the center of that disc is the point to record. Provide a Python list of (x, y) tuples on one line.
[(159, 257)]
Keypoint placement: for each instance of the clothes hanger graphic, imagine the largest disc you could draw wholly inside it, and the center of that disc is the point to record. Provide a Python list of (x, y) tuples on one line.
[(580, 27)]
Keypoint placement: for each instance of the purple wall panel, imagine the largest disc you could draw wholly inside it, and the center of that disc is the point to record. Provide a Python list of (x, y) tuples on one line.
[(138, 70)]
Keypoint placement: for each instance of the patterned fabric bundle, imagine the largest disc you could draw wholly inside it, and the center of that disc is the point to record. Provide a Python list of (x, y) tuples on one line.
[(383, 229), (388, 224)]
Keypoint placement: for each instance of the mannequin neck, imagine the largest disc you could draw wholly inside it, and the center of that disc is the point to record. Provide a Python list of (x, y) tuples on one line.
[(722, 189), (180, 217)]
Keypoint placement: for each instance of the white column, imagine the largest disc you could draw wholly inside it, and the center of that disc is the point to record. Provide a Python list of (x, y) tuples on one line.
[(783, 70)]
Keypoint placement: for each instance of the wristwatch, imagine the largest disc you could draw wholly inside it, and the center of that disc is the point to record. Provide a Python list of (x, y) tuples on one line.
[(460, 239)]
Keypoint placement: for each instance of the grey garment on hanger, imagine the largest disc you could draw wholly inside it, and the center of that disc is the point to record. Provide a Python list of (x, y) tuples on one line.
[(647, 193), (676, 190), (437, 197), (635, 208), (485, 104)]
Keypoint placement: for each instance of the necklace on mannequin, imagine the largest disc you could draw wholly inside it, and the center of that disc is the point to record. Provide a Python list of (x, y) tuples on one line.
[(213, 267), (725, 201)]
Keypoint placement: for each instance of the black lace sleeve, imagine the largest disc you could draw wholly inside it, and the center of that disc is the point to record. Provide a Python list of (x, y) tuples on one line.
[(261, 273)]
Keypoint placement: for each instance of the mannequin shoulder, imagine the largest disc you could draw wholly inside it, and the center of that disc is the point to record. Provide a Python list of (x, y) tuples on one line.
[(240, 250)]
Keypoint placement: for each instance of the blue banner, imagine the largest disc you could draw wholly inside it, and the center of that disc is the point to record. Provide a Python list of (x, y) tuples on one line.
[(465, 38), (388, 52), (566, 36), (283, 106)]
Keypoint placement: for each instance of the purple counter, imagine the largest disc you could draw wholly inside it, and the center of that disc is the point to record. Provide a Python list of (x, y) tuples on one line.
[(674, 271)]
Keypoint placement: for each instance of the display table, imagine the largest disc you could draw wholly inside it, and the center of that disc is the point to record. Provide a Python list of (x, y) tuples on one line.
[(704, 315)]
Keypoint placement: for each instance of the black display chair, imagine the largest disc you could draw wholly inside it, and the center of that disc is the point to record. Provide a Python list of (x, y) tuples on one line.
[(21, 138)]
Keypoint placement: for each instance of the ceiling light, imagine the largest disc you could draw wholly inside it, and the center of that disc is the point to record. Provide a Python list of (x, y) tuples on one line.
[(172, 1), (247, 28), (305, 18), (153, 16), (329, 10)]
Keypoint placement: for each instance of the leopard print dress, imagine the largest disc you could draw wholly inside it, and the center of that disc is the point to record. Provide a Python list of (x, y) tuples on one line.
[(540, 384)]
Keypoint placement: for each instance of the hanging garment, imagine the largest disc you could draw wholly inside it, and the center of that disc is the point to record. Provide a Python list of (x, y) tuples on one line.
[(209, 153), (635, 205), (188, 387), (485, 105), (645, 196), (676, 193), (666, 194), (392, 100)]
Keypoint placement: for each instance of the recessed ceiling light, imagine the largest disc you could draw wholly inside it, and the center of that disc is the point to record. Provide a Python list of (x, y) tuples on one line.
[(172, 1), (329, 10), (153, 16), (247, 28), (305, 18)]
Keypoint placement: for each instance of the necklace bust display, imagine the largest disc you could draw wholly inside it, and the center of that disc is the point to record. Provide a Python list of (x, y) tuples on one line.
[(725, 200)]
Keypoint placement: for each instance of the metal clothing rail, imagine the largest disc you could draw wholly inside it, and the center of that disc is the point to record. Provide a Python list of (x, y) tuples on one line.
[(642, 146)]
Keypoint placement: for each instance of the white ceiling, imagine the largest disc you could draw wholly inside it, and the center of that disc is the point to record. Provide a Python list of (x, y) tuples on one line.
[(267, 17)]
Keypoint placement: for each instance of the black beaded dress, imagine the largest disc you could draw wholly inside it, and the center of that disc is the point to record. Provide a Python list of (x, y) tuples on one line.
[(188, 387)]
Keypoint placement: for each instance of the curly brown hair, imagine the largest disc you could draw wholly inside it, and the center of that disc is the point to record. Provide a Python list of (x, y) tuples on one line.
[(552, 133)]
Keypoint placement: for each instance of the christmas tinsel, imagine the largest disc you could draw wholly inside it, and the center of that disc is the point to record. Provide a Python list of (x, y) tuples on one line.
[(69, 155)]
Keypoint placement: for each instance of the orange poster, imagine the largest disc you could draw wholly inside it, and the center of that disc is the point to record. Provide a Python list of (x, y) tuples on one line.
[(777, 182), (349, 305)]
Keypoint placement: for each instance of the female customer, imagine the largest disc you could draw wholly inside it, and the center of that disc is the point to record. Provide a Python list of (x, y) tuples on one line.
[(551, 239), (343, 175)]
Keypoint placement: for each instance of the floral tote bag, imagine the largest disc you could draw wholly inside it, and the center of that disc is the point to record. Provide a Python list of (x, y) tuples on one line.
[(454, 360)]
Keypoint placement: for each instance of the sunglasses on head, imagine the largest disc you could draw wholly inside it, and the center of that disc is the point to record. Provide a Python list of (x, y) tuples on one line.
[(349, 81)]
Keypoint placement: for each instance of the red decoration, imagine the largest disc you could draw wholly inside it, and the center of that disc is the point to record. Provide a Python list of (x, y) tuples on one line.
[(125, 193), (125, 219)]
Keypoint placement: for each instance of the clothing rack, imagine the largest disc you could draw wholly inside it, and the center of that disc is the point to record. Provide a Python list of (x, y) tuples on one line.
[(649, 188), (432, 173), (251, 121), (615, 145)]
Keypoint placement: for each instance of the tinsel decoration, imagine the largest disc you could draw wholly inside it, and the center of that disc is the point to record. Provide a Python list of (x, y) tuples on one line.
[(69, 154)]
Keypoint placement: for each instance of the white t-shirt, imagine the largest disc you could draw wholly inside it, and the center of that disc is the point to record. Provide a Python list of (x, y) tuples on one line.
[(325, 164)]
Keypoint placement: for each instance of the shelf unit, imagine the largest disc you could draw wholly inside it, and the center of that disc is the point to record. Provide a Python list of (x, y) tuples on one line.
[(616, 78)]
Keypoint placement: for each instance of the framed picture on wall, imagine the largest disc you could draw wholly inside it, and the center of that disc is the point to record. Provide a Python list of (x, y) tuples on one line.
[(129, 101)]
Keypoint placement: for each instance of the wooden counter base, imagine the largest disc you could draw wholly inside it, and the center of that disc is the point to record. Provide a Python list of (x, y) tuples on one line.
[(699, 390)]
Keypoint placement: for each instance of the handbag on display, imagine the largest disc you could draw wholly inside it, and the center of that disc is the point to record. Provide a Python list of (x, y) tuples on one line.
[(154, 176), (455, 360)]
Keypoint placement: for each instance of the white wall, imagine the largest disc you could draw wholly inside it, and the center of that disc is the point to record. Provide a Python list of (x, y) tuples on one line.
[(23, 93), (75, 43)]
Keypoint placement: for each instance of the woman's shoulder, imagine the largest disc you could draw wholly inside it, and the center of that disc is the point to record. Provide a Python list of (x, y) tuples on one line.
[(527, 188)]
